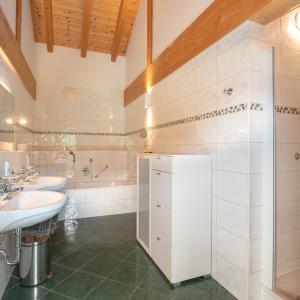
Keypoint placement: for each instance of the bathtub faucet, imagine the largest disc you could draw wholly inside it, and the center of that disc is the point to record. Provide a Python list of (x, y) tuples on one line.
[(73, 154), (103, 169)]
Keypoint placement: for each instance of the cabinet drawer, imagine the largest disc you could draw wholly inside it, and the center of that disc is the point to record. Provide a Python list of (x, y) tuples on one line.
[(161, 188), (162, 163), (161, 237)]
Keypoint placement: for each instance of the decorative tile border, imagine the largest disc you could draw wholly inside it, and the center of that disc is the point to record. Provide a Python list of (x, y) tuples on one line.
[(287, 110), (7, 131), (208, 115), (78, 133), (195, 118)]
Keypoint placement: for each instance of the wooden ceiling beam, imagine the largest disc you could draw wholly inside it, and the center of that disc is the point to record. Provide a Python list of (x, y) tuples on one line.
[(149, 32), (119, 29), (274, 10), (18, 20), (49, 24), (220, 18), (87, 8)]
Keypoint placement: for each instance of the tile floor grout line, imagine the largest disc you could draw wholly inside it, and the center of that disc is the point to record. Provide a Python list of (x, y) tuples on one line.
[(107, 276), (51, 291), (93, 289), (139, 285)]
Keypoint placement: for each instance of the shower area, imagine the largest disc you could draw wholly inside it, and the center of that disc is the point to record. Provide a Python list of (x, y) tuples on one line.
[(286, 281)]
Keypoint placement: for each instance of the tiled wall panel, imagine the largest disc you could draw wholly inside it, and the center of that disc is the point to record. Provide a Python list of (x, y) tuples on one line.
[(190, 113)]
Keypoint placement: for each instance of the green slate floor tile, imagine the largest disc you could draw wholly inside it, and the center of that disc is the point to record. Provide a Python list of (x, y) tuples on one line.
[(24, 293), (86, 251), (59, 274), (78, 285), (95, 247), (111, 290), (129, 273), (75, 259), (118, 251), (156, 282), (140, 294), (12, 283), (140, 257), (101, 265), (54, 296)]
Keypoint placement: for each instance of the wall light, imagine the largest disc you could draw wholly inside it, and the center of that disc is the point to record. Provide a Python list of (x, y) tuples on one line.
[(297, 20), (22, 121), (70, 93), (148, 97), (9, 121), (149, 118)]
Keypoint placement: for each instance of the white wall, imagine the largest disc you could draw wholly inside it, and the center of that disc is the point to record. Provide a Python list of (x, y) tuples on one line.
[(171, 18), (65, 68), (136, 55), (167, 25), (27, 36)]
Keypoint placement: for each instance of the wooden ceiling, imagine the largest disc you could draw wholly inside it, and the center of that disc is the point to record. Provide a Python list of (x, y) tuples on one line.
[(96, 25)]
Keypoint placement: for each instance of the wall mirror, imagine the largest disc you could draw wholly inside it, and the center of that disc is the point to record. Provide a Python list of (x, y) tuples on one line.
[(7, 116)]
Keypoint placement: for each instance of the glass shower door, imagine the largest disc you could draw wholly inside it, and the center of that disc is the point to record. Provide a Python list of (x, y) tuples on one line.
[(143, 201)]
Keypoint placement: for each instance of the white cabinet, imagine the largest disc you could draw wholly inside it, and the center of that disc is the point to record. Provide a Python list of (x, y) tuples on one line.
[(179, 214)]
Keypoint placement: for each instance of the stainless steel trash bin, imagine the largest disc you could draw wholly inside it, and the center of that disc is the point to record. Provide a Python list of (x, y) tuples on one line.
[(34, 262)]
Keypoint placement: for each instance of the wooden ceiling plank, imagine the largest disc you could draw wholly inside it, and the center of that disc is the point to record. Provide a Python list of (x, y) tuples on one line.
[(49, 24), (149, 32), (274, 10), (18, 20), (15, 58), (119, 29), (68, 23), (220, 18), (85, 26)]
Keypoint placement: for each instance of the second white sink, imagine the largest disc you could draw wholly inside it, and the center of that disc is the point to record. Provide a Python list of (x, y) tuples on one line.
[(46, 183)]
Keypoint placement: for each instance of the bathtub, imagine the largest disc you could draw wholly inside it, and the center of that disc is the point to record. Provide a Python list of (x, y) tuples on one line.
[(92, 199)]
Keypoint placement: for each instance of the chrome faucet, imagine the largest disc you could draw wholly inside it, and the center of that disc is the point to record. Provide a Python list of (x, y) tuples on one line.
[(7, 188), (73, 155), (25, 173)]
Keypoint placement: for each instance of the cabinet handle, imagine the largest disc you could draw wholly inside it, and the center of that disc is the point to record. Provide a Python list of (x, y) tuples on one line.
[(158, 206), (158, 238), (158, 157), (157, 173)]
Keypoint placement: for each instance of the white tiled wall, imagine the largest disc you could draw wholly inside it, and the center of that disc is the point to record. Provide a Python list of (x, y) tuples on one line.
[(7, 242), (103, 166), (196, 88), (77, 110), (235, 141), (101, 201)]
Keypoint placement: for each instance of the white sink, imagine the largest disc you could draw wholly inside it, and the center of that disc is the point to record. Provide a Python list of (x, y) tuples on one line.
[(47, 183), (29, 208)]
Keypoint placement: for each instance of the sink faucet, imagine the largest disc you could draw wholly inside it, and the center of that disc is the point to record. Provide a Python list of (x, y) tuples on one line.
[(25, 173), (7, 187)]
